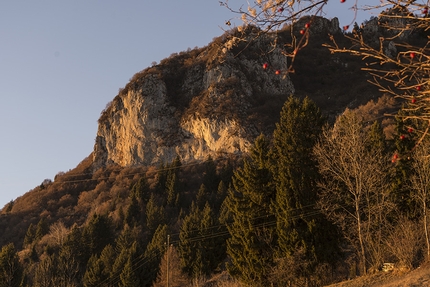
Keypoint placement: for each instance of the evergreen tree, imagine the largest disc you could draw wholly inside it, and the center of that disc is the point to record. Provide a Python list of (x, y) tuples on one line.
[(30, 235), (107, 258), (202, 196), (132, 215), (94, 275), (200, 250), (171, 189), (45, 273), (296, 176), (77, 242), (11, 271), (42, 228), (248, 217), (153, 253), (141, 190), (99, 233), (154, 214), (128, 277), (404, 141), (210, 176)]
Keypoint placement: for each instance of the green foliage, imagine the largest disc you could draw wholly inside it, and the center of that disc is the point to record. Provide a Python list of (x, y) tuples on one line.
[(30, 235), (210, 176), (153, 254), (42, 228), (133, 213), (248, 218), (154, 214), (296, 177), (94, 274), (141, 190), (199, 249), (128, 276), (99, 233), (11, 271)]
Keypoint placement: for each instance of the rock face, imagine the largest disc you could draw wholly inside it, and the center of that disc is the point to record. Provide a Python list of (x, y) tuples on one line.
[(209, 101)]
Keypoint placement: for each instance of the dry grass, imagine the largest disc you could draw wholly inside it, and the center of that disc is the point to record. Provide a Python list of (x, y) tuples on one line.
[(396, 278)]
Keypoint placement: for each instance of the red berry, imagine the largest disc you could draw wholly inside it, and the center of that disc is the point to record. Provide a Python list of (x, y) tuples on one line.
[(342, 1), (414, 100), (302, 32), (281, 9), (346, 27), (418, 88), (265, 66), (425, 10), (402, 137), (412, 55), (277, 72), (395, 156), (410, 130), (307, 25)]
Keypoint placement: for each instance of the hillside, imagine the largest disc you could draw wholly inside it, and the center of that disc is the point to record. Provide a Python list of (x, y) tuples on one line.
[(171, 152)]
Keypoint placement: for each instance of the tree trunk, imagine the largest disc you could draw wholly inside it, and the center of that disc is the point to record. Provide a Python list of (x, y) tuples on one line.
[(360, 235), (426, 229)]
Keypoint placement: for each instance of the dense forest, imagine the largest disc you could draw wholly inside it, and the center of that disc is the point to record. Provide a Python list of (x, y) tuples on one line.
[(312, 204)]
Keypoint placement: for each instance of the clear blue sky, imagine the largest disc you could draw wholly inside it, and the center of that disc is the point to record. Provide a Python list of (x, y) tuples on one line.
[(61, 62)]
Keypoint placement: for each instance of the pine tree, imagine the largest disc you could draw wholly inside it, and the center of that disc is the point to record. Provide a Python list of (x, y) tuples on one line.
[(94, 275), (141, 189), (200, 250), (11, 271), (99, 233), (404, 141), (132, 215), (154, 214), (128, 277), (42, 228), (248, 217), (153, 254), (30, 235), (296, 176), (210, 176)]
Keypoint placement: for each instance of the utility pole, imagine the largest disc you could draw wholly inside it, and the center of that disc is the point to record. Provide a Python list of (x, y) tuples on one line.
[(167, 259)]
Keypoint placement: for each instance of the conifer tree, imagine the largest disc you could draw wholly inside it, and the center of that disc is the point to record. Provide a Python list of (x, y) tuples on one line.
[(200, 248), (128, 276), (94, 275), (210, 176), (132, 215), (30, 235), (154, 214), (296, 176), (405, 139), (141, 189), (153, 254), (98, 232), (42, 228), (11, 271), (250, 245)]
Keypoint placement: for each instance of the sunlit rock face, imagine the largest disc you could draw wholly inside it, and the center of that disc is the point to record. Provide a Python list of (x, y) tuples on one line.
[(209, 101)]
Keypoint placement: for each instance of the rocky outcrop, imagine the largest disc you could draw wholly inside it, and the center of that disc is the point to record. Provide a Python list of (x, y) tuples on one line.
[(208, 101)]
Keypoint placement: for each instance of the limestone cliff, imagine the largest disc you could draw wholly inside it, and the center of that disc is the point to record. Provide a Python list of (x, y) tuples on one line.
[(209, 101)]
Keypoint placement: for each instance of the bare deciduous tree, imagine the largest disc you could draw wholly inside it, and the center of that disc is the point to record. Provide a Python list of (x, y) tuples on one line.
[(420, 185), (399, 59), (355, 189), (170, 270)]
